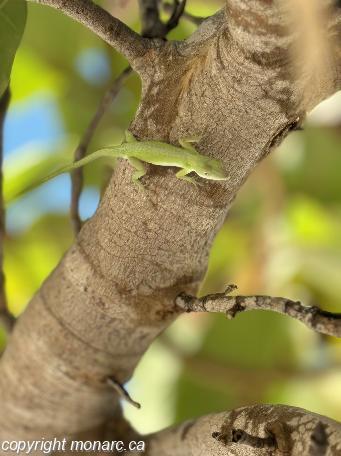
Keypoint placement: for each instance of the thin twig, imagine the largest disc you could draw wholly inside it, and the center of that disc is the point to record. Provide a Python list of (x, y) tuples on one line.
[(196, 20), (315, 318), (178, 11), (122, 392), (6, 319), (152, 26), (80, 152)]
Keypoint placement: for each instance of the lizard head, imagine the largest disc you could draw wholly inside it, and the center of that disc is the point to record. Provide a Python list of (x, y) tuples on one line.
[(210, 168)]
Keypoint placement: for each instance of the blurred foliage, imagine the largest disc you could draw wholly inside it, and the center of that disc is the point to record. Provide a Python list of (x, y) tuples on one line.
[(33, 165), (281, 237), (12, 23), (32, 255)]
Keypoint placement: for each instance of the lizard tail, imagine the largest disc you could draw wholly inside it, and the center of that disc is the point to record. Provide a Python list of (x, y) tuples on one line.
[(107, 152)]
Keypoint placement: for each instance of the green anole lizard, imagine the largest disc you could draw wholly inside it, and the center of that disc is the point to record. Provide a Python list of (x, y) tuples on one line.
[(155, 153)]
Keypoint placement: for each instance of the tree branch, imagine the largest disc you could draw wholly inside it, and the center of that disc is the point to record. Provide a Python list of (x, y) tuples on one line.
[(177, 12), (6, 319), (113, 292), (317, 319), (110, 29), (80, 152), (196, 20), (152, 26), (251, 431)]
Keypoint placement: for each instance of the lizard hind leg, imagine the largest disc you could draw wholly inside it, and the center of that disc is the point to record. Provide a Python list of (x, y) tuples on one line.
[(139, 172), (129, 137)]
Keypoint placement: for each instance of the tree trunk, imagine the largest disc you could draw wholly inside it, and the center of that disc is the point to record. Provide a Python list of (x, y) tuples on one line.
[(234, 84)]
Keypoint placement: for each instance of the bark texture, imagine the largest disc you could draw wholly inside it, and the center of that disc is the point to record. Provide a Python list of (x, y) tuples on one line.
[(319, 320), (249, 431), (234, 84)]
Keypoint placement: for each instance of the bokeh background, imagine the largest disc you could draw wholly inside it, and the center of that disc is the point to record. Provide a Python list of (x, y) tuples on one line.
[(282, 236)]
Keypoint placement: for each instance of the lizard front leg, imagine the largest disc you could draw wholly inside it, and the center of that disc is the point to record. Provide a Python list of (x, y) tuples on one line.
[(186, 143), (182, 174)]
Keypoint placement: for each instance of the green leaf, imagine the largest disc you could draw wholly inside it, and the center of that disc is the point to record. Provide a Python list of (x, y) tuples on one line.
[(26, 168), (12, 23)]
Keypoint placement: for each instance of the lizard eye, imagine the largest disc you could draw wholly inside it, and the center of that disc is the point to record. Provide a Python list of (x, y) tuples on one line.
[(206, 173)]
